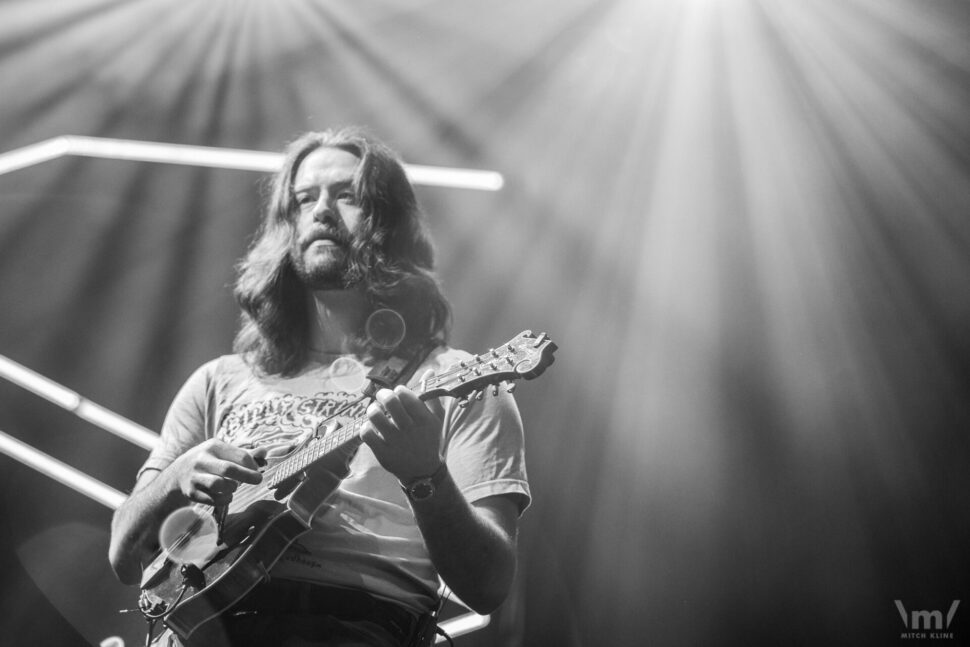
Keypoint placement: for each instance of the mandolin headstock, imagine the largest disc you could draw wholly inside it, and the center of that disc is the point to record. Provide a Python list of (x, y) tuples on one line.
[(523, 357)]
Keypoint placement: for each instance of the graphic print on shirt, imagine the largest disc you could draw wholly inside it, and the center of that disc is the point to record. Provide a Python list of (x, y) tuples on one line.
[(281, 422)]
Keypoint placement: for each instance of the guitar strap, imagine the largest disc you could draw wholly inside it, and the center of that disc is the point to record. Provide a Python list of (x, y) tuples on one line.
[(396, 369), (388, 372)]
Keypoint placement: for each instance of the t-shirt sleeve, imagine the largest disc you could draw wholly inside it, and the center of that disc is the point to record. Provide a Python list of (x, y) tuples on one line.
[(485, 448), (185, 422)]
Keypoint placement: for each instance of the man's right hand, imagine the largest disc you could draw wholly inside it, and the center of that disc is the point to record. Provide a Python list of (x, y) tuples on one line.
[(211, 471)]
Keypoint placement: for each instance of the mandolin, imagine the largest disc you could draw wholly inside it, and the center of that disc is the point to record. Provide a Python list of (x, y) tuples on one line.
[(263, 520)]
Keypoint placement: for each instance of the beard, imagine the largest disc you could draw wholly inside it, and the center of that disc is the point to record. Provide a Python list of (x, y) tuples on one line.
[(321, 267)]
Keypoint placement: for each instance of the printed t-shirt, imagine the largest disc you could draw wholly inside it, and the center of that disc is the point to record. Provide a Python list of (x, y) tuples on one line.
[(365, 537)]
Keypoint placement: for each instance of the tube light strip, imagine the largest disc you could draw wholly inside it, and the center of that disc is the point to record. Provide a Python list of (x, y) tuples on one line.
[(137, 151), (61, 472), (78, 405), (455, 178), (463, 625), (34, 154), (229, 158)]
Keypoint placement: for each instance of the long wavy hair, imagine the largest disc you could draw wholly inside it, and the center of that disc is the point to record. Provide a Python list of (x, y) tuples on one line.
[(391, 258)]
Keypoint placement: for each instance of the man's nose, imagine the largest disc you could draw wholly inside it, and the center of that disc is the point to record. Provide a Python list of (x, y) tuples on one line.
[(323, 211)]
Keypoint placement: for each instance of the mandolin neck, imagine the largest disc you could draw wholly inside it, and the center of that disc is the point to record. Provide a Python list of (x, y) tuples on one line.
[(341, 439)]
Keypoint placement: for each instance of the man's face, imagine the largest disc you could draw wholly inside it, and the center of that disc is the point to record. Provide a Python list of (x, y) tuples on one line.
[(327, 217)]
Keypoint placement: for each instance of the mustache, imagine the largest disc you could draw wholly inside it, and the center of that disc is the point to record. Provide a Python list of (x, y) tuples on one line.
[(338, 237)]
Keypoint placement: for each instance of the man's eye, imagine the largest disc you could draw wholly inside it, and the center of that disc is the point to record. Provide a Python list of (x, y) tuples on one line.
[(304, 199), (346, 196)]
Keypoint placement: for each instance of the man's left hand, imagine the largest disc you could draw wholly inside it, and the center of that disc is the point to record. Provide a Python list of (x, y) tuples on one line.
[(404, 434)]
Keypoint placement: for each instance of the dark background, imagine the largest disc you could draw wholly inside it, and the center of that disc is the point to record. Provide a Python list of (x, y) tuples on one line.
[(745, 222)]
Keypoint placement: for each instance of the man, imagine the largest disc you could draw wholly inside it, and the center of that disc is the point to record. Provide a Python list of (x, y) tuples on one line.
[(338, 278)]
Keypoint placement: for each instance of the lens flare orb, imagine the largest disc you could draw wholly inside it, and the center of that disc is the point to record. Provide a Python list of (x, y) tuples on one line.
[(385, 328), (189, 536), (348, 374)]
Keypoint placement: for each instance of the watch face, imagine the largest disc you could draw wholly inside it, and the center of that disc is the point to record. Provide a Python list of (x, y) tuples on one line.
[(422, 489)]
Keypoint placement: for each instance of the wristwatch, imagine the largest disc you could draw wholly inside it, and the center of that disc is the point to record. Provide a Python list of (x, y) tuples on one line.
[(424, 487)]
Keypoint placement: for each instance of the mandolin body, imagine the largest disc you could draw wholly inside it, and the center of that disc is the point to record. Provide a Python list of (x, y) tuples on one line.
[(253, 540)]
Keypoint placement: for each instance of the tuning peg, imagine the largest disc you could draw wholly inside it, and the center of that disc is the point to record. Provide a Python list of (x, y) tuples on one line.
[(495, 389), (463, 402), (510, 388), (479, 394)]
